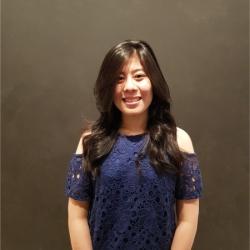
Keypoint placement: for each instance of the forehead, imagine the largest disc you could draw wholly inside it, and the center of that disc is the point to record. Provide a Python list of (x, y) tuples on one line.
[(132, 64)]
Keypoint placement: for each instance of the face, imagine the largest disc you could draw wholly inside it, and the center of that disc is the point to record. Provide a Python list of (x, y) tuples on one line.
[(133, 90)]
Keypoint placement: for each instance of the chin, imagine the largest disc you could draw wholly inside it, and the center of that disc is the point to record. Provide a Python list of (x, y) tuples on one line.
[(132, 111)]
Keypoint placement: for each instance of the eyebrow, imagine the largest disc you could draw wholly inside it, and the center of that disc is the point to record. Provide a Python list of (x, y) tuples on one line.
[(135, 70)]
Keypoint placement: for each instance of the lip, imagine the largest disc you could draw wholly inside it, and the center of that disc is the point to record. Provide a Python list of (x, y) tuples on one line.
[(130, 97), (132, 104)]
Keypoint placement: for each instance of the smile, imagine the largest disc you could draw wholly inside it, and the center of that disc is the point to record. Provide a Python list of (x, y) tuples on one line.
[(131, 100)]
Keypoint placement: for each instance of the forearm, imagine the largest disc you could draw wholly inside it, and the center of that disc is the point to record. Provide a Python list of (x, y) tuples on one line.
[(184, 236), (80, 234)]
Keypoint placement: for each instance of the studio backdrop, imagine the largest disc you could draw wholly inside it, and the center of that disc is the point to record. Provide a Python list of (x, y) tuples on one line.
[(51, 54)]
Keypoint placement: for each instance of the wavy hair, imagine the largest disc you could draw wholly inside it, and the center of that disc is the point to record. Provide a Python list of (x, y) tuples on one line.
[(161, 143)]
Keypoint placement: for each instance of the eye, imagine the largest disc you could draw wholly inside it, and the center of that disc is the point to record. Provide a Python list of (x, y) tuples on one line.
[(120, 78), (140, 76)]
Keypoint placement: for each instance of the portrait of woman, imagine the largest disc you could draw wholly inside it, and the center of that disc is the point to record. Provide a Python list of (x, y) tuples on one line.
[(125, 125), (134, 181)]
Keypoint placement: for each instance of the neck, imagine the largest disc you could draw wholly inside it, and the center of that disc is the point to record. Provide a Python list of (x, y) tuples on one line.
[(134, 124)]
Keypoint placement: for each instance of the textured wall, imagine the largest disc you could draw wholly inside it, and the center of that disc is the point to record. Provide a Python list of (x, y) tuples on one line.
[(52, 51)]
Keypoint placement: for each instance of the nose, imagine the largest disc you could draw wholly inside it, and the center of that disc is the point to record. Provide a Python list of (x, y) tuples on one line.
[(129, 84)]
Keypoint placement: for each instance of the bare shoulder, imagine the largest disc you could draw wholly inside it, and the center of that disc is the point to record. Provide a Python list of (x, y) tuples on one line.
[(79, 149), (184, 141)]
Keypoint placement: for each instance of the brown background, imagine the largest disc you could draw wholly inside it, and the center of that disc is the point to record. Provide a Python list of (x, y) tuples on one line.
[(52, 51)]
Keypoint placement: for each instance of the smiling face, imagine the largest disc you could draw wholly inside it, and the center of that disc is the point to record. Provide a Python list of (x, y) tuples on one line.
[(133, 90)]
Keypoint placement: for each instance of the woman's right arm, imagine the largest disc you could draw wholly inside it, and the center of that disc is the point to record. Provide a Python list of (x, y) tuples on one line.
[(78, 219), (78, 225)]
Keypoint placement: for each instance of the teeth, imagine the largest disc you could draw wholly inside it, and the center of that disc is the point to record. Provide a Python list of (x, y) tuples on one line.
[(132, 99)]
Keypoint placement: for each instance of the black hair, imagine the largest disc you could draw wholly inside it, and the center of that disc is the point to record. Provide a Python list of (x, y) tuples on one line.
[(161, 143)]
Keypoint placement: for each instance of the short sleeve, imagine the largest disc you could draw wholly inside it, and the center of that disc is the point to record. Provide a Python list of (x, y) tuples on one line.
[(78, 182), (189, 184)]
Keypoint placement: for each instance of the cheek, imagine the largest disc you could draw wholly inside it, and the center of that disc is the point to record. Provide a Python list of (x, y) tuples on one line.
[(147, 92), (117, 94)]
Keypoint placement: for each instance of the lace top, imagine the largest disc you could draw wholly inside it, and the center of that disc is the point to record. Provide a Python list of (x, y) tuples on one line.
[(128, 211)]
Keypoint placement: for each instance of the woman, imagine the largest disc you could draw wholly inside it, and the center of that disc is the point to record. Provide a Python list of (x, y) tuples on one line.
[(134, 181)]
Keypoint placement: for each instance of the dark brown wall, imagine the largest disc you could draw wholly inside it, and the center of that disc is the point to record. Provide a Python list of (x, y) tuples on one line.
[(51, 54)]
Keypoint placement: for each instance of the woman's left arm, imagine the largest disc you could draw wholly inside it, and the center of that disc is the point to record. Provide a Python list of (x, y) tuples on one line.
[(187, 221), (187, 209)]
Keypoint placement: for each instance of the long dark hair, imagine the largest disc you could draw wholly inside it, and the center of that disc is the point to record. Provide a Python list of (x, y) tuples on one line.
[(161, 144)]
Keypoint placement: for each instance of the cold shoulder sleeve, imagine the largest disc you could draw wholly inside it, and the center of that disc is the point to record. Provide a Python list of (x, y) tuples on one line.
[(189, 184), (78, 182)]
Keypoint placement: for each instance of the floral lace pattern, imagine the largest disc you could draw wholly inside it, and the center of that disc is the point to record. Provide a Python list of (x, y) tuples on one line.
[(189, 183), (130, 211)]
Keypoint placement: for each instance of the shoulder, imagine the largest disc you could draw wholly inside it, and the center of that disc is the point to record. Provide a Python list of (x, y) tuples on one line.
[(184, 141), (79, 149)]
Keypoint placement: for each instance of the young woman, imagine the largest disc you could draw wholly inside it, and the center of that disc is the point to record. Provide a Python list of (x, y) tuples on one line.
[(134, 181)]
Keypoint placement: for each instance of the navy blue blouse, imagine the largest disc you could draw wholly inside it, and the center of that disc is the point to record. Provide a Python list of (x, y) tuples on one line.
[(129, 211)]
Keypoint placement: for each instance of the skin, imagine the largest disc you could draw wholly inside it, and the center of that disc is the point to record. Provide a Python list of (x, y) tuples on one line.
[(133, 82), (136, 83), (187, 210)]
